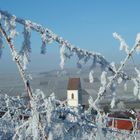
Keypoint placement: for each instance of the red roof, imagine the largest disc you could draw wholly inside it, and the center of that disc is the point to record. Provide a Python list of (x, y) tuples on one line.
[(74, 84)]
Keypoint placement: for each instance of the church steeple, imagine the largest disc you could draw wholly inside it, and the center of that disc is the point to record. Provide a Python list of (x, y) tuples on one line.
[(74, 95)]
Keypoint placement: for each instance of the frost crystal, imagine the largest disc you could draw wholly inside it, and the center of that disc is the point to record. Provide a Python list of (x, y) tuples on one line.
[(138, 72), (44, 40), (112, 102), (135, 91), (136, 82), (62, 57), (103, 78), (26, 48), (48, 118), (12, 27), (24, 61), (138, 43), (91, 78), (90, 101), (125, 86), (119, 80), (28, 25), (123, 45), (113, 66)]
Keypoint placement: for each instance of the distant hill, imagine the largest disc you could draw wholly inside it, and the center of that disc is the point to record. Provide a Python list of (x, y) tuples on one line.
[(56, 81)]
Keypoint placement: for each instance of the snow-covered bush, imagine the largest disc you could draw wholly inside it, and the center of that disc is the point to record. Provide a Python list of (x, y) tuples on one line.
[(48, 118)]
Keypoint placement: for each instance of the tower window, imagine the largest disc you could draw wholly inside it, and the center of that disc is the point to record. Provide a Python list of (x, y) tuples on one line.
[(72, 96)]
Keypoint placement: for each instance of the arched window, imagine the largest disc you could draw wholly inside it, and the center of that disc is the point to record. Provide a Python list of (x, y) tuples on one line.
[(72, 96)]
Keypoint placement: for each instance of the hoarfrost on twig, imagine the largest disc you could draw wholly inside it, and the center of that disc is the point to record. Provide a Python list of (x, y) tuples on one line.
[(120, 80), (138, 43), (91, 78), (24, 61), (47, 110), (125, 86), (12, 28), (26, 48), (136, 81), (123, 45), (112, 102), (103, 78), (44, 40), (113, 66), (62, 57)]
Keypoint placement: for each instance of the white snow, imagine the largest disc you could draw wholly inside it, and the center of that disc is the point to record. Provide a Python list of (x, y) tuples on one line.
[(62, 57), (103, 78), (112, 103), (123, 45), (91, 78), (138, 43)]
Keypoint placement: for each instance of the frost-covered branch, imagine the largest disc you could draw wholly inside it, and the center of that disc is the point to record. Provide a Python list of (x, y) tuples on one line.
[(123, 45), (48, 36), (105, 87), (59, 122), (91, 78), (62, 57), (136, 81), (50, 118), (26, 47), (16, 58)]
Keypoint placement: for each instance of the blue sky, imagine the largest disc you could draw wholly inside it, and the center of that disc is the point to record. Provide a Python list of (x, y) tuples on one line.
[(88, 24)]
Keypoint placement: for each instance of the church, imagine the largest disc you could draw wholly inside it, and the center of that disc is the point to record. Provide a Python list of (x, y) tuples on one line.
[(75, 94)]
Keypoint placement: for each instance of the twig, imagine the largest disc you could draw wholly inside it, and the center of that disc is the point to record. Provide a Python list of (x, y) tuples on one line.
[(102, 92), (17, 60), (39, 28)]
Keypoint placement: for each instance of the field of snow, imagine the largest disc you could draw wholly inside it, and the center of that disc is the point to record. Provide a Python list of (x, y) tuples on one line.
[(51, 81)]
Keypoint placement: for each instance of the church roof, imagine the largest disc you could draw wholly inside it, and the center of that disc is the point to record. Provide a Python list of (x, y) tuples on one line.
[(74, 84)]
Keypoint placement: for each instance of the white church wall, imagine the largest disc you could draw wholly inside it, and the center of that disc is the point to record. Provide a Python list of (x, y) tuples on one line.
[(72, 101)]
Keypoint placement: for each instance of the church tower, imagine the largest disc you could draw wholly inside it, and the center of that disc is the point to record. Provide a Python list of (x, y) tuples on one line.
[(74, 95)]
